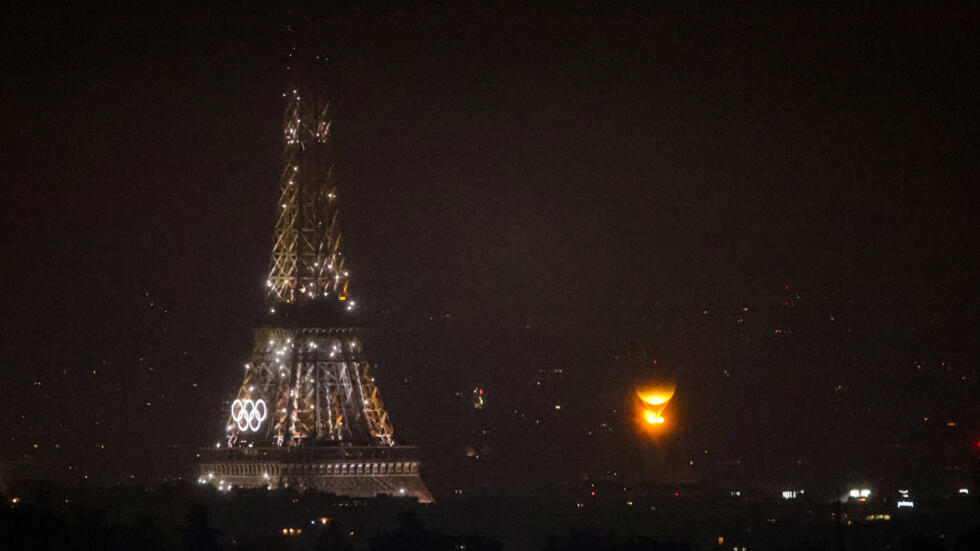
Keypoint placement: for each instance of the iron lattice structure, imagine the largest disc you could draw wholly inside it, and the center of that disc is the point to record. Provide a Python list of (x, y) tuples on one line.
[(307, 259), (308, 413), (316, 386)]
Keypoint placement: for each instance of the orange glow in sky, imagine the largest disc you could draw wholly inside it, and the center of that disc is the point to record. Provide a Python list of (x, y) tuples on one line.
[(656, 394), (652, 418)]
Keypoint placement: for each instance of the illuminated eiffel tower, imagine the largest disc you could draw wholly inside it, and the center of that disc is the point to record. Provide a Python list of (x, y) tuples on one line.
[(308, 413)]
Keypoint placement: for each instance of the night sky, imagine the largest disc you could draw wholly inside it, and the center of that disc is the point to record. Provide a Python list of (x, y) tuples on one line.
[(778, 207)]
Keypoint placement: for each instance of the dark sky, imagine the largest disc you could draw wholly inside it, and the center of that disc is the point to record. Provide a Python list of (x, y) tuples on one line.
[(775, 203)]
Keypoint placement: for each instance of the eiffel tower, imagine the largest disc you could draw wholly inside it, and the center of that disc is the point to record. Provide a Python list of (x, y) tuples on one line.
[(308, 414)]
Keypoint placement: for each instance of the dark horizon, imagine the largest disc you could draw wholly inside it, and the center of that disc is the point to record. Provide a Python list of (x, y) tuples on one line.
[(775, 206)]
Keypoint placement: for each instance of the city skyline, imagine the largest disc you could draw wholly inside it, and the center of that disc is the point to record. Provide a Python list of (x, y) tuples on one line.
[(770, 209)]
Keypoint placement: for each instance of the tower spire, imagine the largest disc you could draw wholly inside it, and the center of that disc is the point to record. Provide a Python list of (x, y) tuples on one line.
[(307, 261)]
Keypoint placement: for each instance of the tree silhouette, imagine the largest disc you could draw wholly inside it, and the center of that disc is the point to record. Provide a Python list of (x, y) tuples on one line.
[(199, 535)]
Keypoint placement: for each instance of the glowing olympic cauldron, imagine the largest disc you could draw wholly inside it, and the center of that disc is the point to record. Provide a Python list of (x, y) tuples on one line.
[(655, 395)]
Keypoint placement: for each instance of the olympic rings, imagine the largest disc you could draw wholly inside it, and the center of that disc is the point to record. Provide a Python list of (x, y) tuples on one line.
[(248, 414)]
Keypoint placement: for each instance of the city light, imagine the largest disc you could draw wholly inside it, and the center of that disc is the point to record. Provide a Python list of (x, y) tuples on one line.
[(860, 494)]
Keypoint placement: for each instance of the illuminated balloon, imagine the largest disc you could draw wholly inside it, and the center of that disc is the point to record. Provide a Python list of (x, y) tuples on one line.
[(657, 393), (652, 418)]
